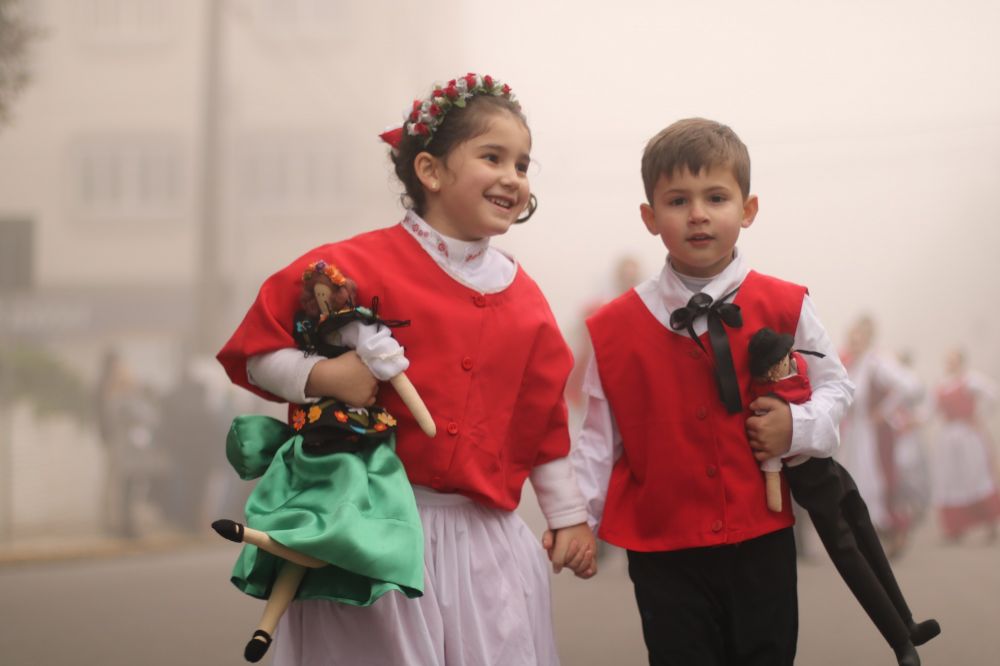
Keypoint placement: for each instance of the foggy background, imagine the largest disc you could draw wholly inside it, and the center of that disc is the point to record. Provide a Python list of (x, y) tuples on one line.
[(165, 157)]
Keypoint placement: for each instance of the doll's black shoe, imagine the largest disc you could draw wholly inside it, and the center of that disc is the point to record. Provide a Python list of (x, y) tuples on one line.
[(921, 632), (258, 645), (908, 656), (229, 529)]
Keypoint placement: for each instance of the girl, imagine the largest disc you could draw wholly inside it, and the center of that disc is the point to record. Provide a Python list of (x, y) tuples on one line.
[(488, 359)]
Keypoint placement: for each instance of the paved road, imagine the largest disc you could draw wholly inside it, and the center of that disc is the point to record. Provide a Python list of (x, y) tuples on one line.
[(176, 607)]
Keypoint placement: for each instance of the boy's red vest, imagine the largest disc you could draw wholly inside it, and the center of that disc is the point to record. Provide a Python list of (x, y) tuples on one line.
[(490, 367), (687, 477)]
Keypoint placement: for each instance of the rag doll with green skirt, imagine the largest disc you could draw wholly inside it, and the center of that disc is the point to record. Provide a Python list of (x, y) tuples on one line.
[(332, 515)]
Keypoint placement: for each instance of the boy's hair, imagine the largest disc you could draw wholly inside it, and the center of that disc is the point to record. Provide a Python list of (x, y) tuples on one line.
[(461, 124), (695, 143)]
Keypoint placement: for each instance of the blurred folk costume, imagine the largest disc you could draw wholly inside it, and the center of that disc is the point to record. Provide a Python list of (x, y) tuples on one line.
[(868, 449), (965, 486)]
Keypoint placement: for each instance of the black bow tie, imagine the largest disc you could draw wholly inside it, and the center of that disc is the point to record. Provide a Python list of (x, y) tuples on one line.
[(718, 313)]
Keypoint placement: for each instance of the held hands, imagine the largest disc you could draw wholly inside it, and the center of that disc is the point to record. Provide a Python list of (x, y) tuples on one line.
[(573, 547), (346, 378), (770, 429)]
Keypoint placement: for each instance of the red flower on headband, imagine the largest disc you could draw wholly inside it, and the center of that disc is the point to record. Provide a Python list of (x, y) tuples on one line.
[(427, 115)]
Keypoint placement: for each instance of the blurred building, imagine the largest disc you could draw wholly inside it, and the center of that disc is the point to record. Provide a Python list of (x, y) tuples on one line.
[(167, 156)]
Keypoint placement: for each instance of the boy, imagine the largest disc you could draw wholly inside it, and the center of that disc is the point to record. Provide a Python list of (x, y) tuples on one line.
[(670, 449)]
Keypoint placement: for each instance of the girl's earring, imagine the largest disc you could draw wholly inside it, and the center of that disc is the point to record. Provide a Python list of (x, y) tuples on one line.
[(529, 211), (434, 186)]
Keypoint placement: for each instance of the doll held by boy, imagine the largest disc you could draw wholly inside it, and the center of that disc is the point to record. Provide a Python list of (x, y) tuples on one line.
[(825, 489)]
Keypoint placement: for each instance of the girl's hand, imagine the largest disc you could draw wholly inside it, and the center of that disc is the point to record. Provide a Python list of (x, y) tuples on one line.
[(345, 378)]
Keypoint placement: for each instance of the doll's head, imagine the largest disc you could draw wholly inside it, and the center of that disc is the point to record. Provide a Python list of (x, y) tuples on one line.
[(446, 121), (325, 290), (770, 355)]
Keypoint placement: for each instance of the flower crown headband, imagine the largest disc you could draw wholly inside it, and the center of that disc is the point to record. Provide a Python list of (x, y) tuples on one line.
[(329, 270), (428, 114)]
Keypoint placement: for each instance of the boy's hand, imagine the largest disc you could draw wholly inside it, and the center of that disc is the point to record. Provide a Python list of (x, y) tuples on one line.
[(345, 378), (770, 429), (573, 547)]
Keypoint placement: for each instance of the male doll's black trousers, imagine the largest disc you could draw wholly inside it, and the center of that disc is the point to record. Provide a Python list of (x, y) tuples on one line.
[(732, 605), (826, 490)]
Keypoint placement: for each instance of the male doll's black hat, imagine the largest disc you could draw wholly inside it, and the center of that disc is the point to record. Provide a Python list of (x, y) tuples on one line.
[(767, 348)]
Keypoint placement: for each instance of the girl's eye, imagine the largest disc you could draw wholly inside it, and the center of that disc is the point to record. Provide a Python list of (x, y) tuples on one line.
[(491, 157), (522, 167)]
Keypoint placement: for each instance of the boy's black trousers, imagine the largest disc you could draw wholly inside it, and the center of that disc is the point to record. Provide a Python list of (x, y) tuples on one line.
[(732, 605)]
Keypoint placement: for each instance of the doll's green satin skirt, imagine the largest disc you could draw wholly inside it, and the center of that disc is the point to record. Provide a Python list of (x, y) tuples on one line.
[(355, 511)]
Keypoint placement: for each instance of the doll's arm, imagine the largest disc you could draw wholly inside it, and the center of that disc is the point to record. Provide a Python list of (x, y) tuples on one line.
[(384, 356)]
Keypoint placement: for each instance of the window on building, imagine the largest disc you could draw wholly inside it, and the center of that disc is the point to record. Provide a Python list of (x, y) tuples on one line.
[(297, 20), (127, 177), (298, 174), (124, 22)]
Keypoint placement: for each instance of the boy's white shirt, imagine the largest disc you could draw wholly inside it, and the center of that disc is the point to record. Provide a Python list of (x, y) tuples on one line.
[(815, 424), (475, 264)]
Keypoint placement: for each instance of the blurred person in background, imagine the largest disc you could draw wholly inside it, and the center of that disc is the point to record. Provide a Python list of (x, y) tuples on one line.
[(188, 433), (965, 484), (126, 417), (627, 273), (908, 420), (868, 441)]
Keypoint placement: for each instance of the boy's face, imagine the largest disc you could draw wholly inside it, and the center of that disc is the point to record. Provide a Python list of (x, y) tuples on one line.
[(699, 217)]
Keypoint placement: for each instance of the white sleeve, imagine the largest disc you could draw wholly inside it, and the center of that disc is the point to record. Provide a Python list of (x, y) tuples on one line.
[(983, 388), (375, 345), (558, 494), (597, 448), (816, 423), (283, 372)]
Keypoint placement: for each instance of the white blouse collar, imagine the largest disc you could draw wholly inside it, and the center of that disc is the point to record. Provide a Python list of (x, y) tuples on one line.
[(476, 264), (455, 254)]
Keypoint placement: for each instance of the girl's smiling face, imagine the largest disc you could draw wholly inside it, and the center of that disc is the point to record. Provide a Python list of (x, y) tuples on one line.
[(481, 186)]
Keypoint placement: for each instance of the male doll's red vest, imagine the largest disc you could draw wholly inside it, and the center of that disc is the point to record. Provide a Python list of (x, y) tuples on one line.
[(491, 368), (687, 477)]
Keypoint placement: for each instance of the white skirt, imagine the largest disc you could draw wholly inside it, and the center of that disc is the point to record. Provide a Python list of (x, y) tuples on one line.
[(963, 468), (486, 601)]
